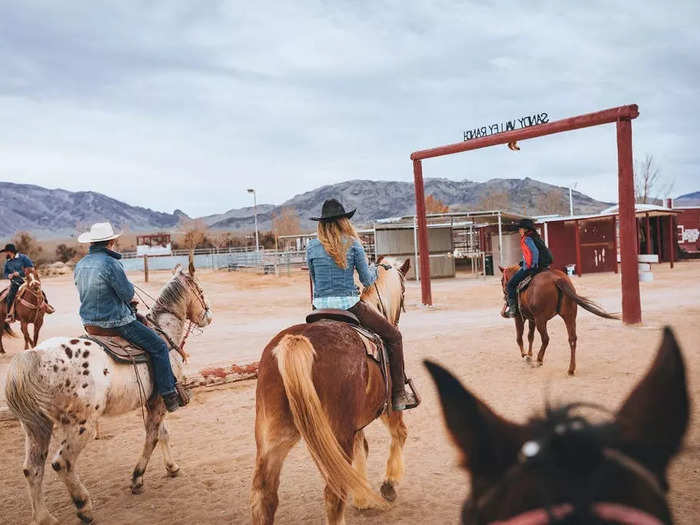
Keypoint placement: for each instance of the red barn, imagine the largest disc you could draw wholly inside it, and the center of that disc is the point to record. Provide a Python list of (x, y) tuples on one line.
[(688, 229), (590, 242)]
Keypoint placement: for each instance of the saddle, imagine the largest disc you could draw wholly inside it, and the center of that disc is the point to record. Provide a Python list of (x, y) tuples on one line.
[(116, 347), (524, 284), (374, 346)]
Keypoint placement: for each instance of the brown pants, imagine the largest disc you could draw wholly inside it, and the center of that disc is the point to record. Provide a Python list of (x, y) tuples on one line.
[(391, 337)]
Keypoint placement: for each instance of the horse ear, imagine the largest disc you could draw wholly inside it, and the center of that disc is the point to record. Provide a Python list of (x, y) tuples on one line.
[(654, 417), (501, 268), (405, 266), (178, 268), (379, 259), (489, 444), (191, 265)]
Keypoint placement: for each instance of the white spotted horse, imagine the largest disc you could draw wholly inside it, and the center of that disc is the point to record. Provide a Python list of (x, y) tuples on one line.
[(66, 384)]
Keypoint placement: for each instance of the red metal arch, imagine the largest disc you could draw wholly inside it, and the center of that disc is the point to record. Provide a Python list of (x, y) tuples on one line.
[(622, 116)]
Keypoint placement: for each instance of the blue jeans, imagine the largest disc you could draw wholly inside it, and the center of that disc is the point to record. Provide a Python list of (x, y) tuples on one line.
[(512, 286), (15, 283), (144, 337)]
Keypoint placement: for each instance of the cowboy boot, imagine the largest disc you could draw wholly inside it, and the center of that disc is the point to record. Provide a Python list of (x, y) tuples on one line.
[(47, 307), (512, 310), (403, 399)]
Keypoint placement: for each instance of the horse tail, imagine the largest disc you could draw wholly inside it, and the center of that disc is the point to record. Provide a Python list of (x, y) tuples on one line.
[(295, 357), (26, 394), (587, 304)]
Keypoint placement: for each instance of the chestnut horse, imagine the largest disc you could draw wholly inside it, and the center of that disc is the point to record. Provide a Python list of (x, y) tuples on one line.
[(550, 293), (315, 381), (561, 467), (29, 309)]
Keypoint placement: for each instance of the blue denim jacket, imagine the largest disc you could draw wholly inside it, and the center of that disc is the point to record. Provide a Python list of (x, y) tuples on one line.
[(105, 291), (329, 279), (17, 264)]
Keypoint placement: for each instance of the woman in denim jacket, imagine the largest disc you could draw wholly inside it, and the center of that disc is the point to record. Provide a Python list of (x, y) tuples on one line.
[(332, 259)]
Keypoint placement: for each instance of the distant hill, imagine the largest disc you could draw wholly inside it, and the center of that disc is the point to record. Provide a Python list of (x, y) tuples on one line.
[(58, 213), (689, 199), (53, 213), (381, 199)]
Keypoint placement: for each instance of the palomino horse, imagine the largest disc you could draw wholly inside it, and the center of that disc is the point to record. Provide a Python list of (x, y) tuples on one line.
[(29, 309), (561, 468), (70, 382), (550, 293), (315, 381)]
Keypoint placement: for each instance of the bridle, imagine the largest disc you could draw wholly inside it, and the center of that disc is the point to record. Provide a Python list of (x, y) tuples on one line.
[(38, 295), (191, 284), (615, 512)]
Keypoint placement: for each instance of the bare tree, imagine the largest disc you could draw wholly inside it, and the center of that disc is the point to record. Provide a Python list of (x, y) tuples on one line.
[(552, 202), (286, 222), (649, 186), (494, 200), (26, 243), (435, 205), (195, 234)]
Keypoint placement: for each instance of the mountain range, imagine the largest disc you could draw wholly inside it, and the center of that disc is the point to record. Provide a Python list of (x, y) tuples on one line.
[(56, 213)]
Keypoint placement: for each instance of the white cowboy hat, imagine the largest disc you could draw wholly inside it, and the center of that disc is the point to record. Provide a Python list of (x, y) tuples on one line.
[(101, 231)]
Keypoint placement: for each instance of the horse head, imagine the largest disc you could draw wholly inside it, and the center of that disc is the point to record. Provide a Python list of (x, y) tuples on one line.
[(506, 274), (192, 299), (388, 291), (33, 281), (564, 466)]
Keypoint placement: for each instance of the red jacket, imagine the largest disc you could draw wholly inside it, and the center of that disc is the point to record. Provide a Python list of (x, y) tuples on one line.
[(531, 254)]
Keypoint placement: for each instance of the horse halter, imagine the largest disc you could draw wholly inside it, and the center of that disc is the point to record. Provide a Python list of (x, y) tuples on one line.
[(609, 511)]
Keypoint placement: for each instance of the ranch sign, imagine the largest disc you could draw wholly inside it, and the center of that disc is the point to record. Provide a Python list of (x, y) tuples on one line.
[(509, 125)]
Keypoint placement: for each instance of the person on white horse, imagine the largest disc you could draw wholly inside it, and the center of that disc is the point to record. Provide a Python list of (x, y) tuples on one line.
[(106, 297), (15, 265)]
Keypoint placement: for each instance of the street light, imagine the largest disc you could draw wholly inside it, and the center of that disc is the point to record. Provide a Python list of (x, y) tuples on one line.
[(255, 211), (571, 200)]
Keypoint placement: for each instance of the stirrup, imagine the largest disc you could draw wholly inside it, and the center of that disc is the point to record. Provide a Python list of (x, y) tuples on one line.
[(183, 394)]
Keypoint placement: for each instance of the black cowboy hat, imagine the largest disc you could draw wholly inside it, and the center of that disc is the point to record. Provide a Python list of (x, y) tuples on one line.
[(9, 248), (332, 210), (526, 224)]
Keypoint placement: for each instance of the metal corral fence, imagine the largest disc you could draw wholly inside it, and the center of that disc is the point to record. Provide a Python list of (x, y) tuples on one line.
[(264, 261)]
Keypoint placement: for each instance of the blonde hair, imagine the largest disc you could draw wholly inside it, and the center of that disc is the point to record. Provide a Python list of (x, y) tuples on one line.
[(337, 237)]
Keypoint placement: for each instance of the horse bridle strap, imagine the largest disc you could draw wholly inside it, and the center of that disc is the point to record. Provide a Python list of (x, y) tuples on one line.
[(614, 512)]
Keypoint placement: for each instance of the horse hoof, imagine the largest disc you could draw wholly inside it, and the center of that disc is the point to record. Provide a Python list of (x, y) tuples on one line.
[(137, 489), (528, 357), (388, 491), (85, 518), (571, 372), (174, 473), (360, 504), (539, 363)]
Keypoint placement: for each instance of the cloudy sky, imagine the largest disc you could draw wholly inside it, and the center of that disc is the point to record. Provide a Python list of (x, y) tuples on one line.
[(186, 104)]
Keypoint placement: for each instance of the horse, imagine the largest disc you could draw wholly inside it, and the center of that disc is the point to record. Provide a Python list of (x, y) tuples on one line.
[(560, 467), (316, 382), (70, 382), (550, 293), (29, 309)]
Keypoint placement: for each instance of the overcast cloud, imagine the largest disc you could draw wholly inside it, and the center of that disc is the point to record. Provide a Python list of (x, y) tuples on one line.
[(186, 104)]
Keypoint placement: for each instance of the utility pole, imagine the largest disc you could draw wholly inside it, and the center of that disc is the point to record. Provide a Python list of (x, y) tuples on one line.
[(255, 211)]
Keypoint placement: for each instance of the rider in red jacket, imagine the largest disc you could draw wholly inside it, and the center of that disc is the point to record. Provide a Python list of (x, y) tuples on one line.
[(528, 265)]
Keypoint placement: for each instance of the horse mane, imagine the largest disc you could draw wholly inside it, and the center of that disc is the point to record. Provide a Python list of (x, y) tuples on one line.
[(171, 294)]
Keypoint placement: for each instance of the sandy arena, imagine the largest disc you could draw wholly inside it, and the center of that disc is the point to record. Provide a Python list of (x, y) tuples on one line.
[(213, 438)]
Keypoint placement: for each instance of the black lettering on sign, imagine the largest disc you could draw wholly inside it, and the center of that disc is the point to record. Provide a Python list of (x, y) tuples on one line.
[(526, 121)]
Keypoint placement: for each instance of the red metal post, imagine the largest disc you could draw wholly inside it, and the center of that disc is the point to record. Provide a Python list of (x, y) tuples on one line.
[(658, 238), (423, 250), (647, 232), (631, 303), (577, 236), (671, 240), (614, 221)]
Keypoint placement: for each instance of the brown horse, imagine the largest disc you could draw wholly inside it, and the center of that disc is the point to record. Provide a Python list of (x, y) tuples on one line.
[(561, 467), (30, 306), (550, 293), (315, 381)]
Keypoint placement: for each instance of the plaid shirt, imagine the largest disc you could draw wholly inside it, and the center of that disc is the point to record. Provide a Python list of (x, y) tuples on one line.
[(338, 303)]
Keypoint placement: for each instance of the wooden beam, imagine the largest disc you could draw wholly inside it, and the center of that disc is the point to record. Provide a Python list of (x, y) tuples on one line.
[(577, 236), (423, 248), (607, 116), (614, 228)]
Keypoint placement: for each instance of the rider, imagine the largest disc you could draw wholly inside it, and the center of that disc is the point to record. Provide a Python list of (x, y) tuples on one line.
[(106, 296), (536, 257), (332, 259), (15, 267)]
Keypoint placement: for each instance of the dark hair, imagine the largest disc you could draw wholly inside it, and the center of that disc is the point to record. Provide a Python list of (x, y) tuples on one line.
[(101, 244)]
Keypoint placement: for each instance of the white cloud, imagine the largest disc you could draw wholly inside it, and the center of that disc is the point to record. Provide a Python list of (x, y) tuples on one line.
[(184, 105)]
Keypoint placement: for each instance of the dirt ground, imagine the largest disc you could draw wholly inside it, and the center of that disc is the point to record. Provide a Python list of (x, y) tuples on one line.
[(213, 438)]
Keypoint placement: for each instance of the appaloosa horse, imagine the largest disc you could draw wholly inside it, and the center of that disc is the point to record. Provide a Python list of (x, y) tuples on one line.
[(563, 469), (315, 381), (69, 383), (550, 293)]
